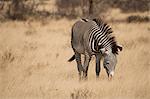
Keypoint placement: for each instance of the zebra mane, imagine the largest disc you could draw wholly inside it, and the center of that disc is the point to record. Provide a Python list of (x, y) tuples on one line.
[(108, 32), (85, 20)]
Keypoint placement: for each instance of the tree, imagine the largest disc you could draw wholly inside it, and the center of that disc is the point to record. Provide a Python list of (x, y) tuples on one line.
[(87, 8), (16, 9), (91, 7)]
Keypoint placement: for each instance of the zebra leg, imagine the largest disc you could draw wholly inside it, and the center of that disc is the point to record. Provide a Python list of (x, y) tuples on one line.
[(79, 64), (86, 64), (98, 68)]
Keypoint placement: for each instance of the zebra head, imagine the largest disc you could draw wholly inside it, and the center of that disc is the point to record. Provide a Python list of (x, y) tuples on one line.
[(110, 60)]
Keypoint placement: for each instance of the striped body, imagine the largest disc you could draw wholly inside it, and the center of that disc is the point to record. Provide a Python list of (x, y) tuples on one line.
[(93, 37)]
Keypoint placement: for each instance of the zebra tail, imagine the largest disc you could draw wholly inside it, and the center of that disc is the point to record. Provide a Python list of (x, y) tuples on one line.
[(71, 59)]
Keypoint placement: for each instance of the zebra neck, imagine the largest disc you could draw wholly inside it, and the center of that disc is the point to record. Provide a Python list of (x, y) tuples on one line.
[(108, 48), (95, 47)]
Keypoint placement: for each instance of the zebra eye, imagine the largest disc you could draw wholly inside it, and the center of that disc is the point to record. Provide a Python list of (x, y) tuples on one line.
[(106, 68)]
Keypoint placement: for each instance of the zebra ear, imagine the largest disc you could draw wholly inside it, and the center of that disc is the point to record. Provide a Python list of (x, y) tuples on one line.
[(119, 47)]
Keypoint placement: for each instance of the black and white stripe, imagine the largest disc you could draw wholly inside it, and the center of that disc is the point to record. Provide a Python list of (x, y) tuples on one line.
[(100, 37)]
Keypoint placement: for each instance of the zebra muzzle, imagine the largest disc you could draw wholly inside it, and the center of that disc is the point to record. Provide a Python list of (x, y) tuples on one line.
[(110, 76)]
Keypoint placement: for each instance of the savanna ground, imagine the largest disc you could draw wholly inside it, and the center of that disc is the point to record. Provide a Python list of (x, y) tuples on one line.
[(34, 54)]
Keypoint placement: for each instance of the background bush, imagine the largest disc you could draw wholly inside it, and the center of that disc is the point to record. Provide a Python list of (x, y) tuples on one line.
[(22, 9)]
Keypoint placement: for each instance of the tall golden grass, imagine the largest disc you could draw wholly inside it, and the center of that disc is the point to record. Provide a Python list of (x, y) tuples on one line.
[(33, 63)]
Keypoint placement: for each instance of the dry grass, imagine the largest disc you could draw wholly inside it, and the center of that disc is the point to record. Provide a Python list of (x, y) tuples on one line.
[(33, 63)]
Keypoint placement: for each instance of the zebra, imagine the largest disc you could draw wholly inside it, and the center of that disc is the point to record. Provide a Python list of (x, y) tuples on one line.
[(94, 37)]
